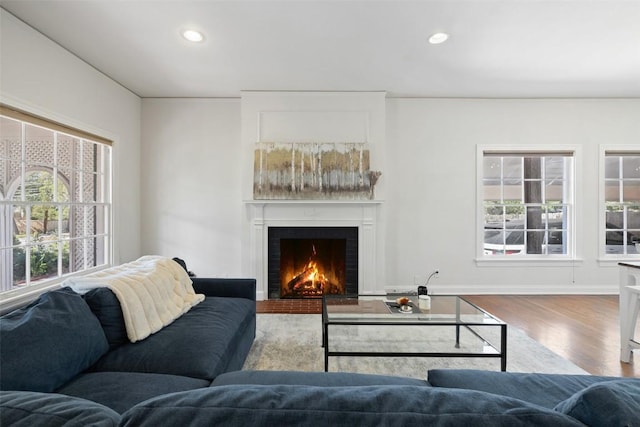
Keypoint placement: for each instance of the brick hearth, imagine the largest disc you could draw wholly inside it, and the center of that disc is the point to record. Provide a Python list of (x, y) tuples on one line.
[(292, 306)]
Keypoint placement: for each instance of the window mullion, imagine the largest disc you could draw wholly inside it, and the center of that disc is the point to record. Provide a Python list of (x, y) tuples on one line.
[(620, 180), (81, 173), (55, 166), (543, 182), (27, 249), (59, 233), (23, 162), (625, 227)]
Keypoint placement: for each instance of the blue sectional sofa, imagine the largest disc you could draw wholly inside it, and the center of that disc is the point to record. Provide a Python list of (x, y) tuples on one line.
[(448, 398), (65, 362), (74, 345), (255, 398)]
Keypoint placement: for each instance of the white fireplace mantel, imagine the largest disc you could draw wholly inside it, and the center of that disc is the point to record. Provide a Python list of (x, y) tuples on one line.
[(362, 214)]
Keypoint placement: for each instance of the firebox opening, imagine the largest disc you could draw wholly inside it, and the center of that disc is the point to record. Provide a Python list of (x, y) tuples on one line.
[(312, 267), (332, 251)]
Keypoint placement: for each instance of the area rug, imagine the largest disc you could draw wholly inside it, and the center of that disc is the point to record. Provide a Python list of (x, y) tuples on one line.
[(293, 342)]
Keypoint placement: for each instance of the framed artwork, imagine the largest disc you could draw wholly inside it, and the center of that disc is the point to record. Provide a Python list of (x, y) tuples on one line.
[(302, 170)]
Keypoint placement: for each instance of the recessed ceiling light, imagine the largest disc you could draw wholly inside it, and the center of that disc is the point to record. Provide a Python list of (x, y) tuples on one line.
[(193, 35), (438, 38)]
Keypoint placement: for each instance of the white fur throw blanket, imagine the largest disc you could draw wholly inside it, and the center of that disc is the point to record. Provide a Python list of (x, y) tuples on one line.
[(153, 291)]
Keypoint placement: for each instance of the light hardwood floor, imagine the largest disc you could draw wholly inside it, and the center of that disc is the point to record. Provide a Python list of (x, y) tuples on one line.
[(581, 328)]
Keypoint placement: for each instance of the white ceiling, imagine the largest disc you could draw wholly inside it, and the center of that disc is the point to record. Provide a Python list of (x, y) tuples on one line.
[(497, 48)]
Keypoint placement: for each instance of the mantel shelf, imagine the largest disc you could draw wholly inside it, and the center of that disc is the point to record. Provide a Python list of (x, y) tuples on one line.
[(311, 202)]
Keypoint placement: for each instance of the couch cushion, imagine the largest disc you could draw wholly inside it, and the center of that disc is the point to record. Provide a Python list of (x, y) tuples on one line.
[(610, 403), (122, 390), (105, 306), (211, 338), (321, 379), (542, 389), (259, 405), (28, 409), (49, 342)]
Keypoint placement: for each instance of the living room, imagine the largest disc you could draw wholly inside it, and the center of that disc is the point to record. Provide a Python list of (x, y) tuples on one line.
[(183, 154), (528, 79)]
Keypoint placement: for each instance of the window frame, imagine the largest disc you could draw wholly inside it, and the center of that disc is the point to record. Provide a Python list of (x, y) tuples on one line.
[(573, 255), (605, 258), (18, 295)]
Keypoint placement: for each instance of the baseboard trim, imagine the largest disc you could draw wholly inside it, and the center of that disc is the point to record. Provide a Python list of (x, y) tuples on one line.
[(519, 289)]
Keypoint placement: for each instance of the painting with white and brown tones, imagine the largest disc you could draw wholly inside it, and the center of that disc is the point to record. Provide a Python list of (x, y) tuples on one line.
[(312, 171)]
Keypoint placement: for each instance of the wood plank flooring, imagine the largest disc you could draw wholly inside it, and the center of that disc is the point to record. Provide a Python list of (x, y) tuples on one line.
[(581, 328)]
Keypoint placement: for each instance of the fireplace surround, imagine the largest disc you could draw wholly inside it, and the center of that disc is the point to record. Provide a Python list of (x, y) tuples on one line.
[(361, 215), (308, 262)]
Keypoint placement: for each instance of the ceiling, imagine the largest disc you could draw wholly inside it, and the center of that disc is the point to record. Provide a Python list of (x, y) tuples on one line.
[(497, 48)]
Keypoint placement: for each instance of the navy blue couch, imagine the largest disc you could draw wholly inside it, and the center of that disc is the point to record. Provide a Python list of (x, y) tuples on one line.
[(448, 398), (255, 398), (59, 372), (75, 345)]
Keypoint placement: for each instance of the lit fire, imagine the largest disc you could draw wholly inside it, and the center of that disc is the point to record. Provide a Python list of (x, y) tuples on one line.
[(311, 281)]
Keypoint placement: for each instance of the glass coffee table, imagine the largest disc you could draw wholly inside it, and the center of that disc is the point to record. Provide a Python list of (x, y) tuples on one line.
[(376, 326)]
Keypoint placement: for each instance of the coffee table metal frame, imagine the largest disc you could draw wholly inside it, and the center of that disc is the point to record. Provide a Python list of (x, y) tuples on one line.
[(409, 320)]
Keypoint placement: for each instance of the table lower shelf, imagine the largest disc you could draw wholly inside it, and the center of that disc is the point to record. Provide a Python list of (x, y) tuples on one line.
[(471, 345)]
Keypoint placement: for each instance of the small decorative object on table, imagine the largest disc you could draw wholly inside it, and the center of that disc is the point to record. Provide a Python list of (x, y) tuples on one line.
[(403, 301), (424, 302), (401, 305)]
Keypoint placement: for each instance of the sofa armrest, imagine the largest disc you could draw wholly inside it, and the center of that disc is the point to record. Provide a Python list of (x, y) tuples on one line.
[(225, 287)]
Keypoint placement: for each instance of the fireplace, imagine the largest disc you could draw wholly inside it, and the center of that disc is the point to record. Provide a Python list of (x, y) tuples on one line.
[(363, 267), (308, 262)]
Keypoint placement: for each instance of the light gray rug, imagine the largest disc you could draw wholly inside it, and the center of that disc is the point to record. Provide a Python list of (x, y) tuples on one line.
[(293, 342)]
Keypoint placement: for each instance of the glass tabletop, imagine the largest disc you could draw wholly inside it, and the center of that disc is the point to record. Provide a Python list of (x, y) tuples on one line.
[(445, 309)]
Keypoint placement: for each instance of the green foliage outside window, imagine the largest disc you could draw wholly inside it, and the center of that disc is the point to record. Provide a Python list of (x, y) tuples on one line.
[(43, 259), (40, 188), (511, 208)]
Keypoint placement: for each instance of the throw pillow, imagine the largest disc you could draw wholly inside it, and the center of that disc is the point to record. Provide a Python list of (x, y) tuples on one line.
[(609, 403), (49, 342), (28, 408), (380, 405), (106, 307)]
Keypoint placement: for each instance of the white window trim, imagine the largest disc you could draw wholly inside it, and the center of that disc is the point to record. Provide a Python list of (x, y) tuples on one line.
[(574, 255), (605, 259), (18, 297)]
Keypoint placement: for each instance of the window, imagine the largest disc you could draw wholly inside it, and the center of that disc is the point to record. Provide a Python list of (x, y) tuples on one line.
[(55, 201), (622, 203), (526, 204)]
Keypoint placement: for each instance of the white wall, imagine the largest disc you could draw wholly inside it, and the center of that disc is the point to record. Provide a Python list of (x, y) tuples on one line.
[(192, 167), (39, 76), (193, 185), (185, 190), (431, 159)]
